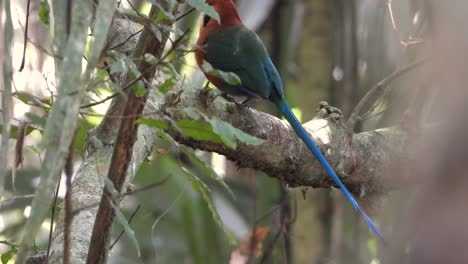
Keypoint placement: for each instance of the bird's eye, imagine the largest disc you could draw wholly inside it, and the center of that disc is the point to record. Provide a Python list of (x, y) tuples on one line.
[(209, 2)]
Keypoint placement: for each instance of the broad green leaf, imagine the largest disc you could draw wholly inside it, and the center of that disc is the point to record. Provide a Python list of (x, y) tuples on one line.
[(36, 119), (230, 135), (117, 66), (162, 14), (157, 123), (29, 98), (169, 69), (167, 85), (7, 256), (206, 169), (139, 89), (194, 113), (198, 185), (196, 161), (156, 31), (122, 63), (205, 8), (44, 11), (204, 192), (132, 68), (34, 149), (217, 131), (229, 77), (198, 130)]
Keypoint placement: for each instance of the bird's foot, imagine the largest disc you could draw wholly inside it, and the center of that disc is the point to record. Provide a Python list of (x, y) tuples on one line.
[(226, 96), (328, 111), (245, 101), (231, 99)]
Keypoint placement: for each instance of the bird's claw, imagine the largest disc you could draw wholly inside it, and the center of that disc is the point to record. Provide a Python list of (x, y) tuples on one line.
[(231, 99)]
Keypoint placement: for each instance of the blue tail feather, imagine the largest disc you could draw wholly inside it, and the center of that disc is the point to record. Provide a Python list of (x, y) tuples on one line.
[(301, 133)]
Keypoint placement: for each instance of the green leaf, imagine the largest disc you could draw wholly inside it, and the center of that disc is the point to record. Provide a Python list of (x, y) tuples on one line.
[(206, 169), (139, 89), (34, 149), (204, 192), (117, 66), (36, 119), (150, 58), (162, 14), (198, 130), (168, 68), (44, 11), (29, 98), (230, 135), (156, 31), (194, 113), (214, 130), (157, 123), (122, 63), (128, 230), (7, 256), (14, 130), (205, 8), (229, 77), (166, 86)]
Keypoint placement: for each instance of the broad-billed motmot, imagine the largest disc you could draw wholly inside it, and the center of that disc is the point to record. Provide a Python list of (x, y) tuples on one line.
[(231, 47)]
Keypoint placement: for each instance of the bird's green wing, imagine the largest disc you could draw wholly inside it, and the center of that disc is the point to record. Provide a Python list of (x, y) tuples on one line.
[(239, 50)]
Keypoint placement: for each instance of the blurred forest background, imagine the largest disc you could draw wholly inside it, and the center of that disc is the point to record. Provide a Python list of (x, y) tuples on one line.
[(178, 209)]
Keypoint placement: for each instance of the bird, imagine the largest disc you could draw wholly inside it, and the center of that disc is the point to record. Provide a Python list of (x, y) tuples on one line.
[(229, 46)]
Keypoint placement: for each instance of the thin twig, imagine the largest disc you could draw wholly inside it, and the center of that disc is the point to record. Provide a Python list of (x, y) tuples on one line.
[(123, 231), (378, 89), (184, 14), (25, 43), (52, 217), (9, 202), (285, 221), (125, 41), (144, 188), (269, 212), (36, 45), (174, 46), (136, 10), (139, 78), (271, 245)]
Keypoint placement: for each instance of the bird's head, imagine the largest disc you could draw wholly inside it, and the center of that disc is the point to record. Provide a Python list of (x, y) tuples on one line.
[(227, 11)]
